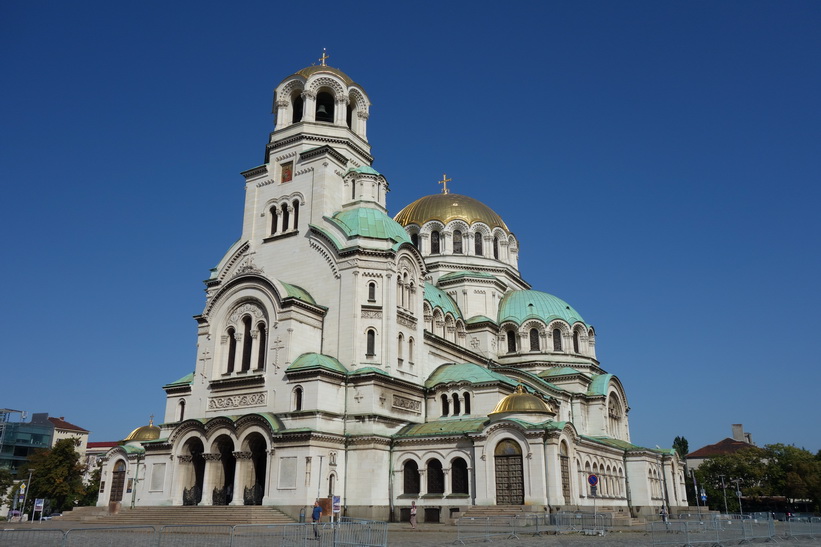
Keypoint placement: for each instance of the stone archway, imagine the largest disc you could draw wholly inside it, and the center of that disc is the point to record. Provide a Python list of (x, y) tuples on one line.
[(193, 470), (254, 469), (224, 465), (510, 484)]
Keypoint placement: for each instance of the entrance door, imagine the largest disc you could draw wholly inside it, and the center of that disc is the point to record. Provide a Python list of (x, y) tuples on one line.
[(509, 475), (118, 482)]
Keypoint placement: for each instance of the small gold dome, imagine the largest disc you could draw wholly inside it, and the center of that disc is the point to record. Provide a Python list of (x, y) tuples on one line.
[(314, 69), (523, 402), (447, 207), (148, 432)]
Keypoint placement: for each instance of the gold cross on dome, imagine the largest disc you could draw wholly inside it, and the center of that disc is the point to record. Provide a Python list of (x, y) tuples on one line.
[(324, 57), (151, 420), (444, 182)]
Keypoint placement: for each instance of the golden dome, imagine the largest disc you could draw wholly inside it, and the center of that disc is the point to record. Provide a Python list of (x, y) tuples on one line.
[(447, 207), (148, 432), (521, 401)]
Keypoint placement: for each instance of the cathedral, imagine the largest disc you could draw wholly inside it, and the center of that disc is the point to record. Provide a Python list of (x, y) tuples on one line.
[(384, 360)]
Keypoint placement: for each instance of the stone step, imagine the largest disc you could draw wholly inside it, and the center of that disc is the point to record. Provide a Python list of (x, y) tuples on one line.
[(227, 515)]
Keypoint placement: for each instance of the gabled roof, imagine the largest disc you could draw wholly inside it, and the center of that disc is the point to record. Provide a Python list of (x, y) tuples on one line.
[(440, 299), (721, 448), (185, 380), (465, 372), (60, 423), (443, 427), (317, 360)]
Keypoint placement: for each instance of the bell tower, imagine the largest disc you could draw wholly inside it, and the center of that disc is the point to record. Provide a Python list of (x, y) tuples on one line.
[(319, 139)]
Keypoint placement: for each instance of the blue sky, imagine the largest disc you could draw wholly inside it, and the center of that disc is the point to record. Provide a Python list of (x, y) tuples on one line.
[(658, 161)]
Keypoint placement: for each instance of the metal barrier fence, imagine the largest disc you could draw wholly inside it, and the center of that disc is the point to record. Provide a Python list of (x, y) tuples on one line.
[(803, 527), (512, 527), (345, 532), (718, 530)]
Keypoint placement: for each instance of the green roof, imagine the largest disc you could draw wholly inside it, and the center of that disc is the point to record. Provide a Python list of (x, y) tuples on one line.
[(463, 274), (366, 370), (561, 371), (365, 169), (185, 380), (599, 384), (443, 427), (371, 223), (519, 306), (440, 299), (480, 319), (299, 293), (316, 360), (465, 372)]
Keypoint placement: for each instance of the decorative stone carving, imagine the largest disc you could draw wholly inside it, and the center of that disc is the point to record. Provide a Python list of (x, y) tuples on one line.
[(371, 314), (237, 401), (215, 457), (242, 455), (185, 458), (408, 405)]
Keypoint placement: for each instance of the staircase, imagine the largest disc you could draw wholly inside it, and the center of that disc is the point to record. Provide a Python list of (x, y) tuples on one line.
[(481, 511), (206, 514)]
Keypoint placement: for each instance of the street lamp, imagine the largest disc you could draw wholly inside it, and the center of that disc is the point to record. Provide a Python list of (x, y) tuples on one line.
[(738, 493), (724, 488)]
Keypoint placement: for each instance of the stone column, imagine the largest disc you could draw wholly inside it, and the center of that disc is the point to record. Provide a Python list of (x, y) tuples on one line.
[(423, 482), (268, 484), (242, 476), (308, 106), (183, 474), (212, 472)]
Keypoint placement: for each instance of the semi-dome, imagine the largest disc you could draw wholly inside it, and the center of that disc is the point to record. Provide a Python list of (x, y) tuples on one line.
[(315, 69), (148, 432), (447, 207), (521, 402), (519, 306)]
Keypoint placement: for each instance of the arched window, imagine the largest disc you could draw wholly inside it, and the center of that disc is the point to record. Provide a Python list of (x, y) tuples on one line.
[(331, 484), (298, 399), (262, 335), (457, 242), (415, 240), (410, 476), (477, 244), (324, 107), (400, 341), (459, 476), (576, 342), (285, 218), (247, 342), (496, 248), (372, 292), (445, 405), (296, 214), (181, 410), (456, 409), (273, 212), (296, 103), (511, 341), (434, 243), (410, 350), (557, 340), (232, 349), (466, 396), (371, 343), (534, 340), (436, 477)]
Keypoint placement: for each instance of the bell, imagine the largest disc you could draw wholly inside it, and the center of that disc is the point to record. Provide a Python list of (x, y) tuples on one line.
[(322, 114)]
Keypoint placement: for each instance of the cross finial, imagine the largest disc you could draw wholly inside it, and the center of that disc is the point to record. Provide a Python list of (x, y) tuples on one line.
[(324, 57), (151, 420), (444, 182)]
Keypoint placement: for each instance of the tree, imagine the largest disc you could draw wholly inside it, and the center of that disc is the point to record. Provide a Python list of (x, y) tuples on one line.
[(747, 465), (92, 488), (681, 446), (57, 475)]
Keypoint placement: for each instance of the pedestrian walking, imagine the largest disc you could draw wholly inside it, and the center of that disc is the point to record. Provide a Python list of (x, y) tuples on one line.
[(316, 516), (413, 515)]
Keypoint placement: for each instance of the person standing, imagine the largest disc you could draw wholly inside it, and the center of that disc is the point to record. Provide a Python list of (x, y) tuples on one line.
[(316, 516), (413, 515)]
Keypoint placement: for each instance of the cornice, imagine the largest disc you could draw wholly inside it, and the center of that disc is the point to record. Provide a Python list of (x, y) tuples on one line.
[(237, 382), (322, 151), (302, 137)]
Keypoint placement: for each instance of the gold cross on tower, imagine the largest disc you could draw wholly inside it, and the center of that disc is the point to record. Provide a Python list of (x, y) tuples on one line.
[(444, 182), (324, 57)]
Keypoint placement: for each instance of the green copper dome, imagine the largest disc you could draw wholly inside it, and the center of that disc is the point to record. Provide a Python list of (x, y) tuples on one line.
[(372, 223), (519, 306), (440, 299)]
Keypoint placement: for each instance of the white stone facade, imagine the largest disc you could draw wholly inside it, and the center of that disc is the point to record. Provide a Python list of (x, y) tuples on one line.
[(341, 352)]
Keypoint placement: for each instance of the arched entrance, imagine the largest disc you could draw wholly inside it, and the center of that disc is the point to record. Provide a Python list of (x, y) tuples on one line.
[(194, 471), (225, 469), (253, 492), (510, 484), (117, 482)]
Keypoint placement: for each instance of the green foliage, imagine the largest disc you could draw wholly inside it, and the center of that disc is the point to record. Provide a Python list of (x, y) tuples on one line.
[(775, 470), (92, 488), (57, 475), (682, 446)]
